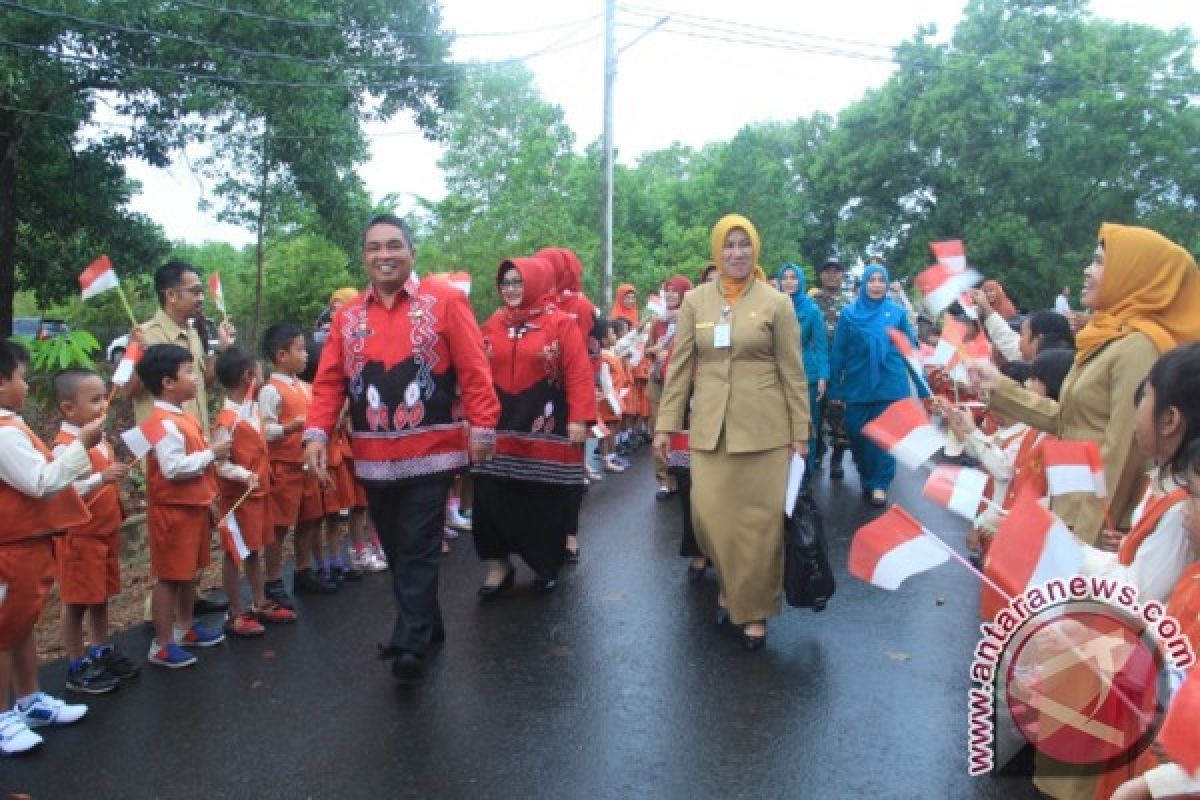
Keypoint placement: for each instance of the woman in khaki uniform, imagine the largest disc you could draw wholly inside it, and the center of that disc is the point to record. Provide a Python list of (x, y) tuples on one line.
[(737, 353), (1144, 292)]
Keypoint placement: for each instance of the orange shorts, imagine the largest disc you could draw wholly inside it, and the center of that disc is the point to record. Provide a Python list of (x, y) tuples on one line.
[(27, 576), (287, 492), (312, 499), (89, 568), (347, 486), (179, 541), (253, 520)]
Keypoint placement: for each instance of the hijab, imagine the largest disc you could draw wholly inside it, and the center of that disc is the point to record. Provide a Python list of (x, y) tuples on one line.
[(568, 269), (709, 269), (1003, 306), (801, 302), (869, 316), (733, 288), (537, 276), (1150, 284), (619, 309), (680, 284)]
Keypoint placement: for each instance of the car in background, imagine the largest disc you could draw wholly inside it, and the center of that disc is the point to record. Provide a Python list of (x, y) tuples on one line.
[(116, 348), (39, 327)]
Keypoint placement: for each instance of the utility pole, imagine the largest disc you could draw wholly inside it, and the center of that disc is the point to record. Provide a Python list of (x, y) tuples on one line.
[(610, 76)]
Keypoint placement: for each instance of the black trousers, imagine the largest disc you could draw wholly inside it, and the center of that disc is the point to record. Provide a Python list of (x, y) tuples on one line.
[(572, 508), (688, 548), (409, 520)]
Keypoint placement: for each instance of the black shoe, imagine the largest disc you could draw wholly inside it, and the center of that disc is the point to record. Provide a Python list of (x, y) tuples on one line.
[(439, 634), (487, 592), (115, 663), (836, 473), (275, 592), (571, 556), (206, 605), (754, 642), (332, 575), (90, 678), (406, 667), (545, 585), (663, 494), (722, 615), (349, 573), (696, 574), (306, 581)]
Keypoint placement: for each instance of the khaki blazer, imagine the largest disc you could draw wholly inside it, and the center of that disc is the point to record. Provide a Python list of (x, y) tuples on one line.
[(1095, 404), (754, 390), (161, 329)]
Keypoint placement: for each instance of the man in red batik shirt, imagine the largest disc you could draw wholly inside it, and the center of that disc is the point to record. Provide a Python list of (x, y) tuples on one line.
[(406, 353)]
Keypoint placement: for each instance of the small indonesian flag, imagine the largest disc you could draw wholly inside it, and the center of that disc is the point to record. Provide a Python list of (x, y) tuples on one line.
[(905, 431), (459, 280), (599, 430), (142, 439), (951, 253), (959, 489), (230, 524), (916, 367), (1179, 736), (1031, 547), (656, 305), (214, 288), (129, 359), (98, 277), (1073, 467), (941, 286), (892, 548), (949, 348), (968, 305)]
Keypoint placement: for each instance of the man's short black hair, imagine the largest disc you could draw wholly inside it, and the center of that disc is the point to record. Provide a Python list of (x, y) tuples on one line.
[(159, 362), (279, 337), (66, 383), (170, 276), (832, 262), (12, 355), (232, 365), (389, 219)]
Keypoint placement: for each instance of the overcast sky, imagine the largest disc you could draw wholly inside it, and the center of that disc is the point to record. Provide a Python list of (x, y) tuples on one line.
[(669, 87)]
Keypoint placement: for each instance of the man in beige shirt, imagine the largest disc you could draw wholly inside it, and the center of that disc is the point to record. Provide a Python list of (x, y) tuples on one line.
[(181, 299)]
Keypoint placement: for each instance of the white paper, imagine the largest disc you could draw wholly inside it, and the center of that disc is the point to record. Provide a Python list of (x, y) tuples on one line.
[(795, 478)]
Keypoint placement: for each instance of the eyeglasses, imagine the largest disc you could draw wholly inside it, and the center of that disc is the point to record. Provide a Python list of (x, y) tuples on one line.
[(193, 290), (517, 284)]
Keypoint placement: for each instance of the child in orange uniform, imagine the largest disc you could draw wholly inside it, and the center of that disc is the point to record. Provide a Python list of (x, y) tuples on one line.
[(181, 486), (248, 470), (36, 501), (89, 570)]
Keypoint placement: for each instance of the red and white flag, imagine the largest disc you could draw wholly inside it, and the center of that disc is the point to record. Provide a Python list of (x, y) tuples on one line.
[(1179, 735), (941, 285), (1073, 467), (459, 280), (968, 305), (129, 359), (916, 367), (142, 439), (656, 305), (214, 289), (951, 252), (906, 431), (960, 489), (230, 524), (1031, 547), (99, 277), (892, 548), (949, 348)]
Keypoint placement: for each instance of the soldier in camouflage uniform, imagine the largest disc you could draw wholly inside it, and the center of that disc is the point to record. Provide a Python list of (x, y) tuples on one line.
[(831, 300)]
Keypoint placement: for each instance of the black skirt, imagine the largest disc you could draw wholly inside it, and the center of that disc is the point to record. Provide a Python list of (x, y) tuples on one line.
[(524, 518)]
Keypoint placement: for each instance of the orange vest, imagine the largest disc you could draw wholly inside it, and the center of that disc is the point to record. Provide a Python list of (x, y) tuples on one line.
[(249, 452), (1029, 472), (104, 503), (24, 516), (1151, 514), (198, 491), (294, 402)]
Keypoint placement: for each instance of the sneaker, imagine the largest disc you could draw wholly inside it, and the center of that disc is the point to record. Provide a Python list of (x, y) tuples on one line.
[(276, 614), (379, 559), (170, 655), (612, 464), (15, 736), (200, 636), (456, 519), (449, 533), (48, 710), (90, 678), (114, 662), (245, 625), (277, 594), (305, 581)]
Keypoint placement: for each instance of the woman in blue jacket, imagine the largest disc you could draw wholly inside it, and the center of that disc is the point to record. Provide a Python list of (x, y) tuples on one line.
[(867, 374), (815, 342)]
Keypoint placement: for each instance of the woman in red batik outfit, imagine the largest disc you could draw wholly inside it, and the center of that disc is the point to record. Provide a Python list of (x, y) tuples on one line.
[(542, 376)]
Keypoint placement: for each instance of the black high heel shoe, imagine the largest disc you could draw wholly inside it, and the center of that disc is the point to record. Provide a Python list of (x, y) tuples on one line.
[(696, 574), (492, 592), (754, 642)]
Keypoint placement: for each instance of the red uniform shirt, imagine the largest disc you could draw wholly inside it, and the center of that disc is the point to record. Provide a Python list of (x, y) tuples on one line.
[(248, 451), (104, 504)]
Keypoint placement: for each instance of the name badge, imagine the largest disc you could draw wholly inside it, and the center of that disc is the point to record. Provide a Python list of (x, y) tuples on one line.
[(721, 335)]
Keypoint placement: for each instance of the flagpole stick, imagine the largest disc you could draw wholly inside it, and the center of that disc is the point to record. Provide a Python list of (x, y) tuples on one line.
[(128, 308), (236, 505), (975, 570)]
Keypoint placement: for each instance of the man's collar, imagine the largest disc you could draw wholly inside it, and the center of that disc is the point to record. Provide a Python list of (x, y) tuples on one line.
[(68, 428), (411, 286), (165, 406), (172, 328)]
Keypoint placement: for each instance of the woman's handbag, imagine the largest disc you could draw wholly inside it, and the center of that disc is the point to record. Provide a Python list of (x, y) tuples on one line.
[(807, 577)]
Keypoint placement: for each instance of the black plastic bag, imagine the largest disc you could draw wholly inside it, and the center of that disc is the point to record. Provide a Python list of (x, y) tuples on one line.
[(807, 577)]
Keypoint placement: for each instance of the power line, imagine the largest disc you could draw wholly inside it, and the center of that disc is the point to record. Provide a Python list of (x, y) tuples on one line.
[(260, 54)]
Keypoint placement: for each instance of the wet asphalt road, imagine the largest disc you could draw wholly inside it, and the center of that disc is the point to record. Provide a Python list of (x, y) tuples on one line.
[(616, 686)]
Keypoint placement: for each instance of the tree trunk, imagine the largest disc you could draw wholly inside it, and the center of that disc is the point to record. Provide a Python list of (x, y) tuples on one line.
[(260, 248), (8, 219)]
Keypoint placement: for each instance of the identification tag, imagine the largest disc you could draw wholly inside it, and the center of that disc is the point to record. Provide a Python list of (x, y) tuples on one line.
[(721, 335)]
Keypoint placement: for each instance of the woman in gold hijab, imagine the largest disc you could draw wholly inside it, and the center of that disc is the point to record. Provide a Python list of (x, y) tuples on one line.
[(738, 355)]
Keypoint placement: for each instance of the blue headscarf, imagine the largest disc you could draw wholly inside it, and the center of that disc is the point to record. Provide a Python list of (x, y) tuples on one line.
[(868, 316), (801, 302)]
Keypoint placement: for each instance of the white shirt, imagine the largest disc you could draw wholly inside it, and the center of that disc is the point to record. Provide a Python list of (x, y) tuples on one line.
[(1062, 305), (26, 470), (94, 481), (228, 469), (1161, 558), (997, 454), (269, 404), (1003, 337), (171, 451), (1171, 780)]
